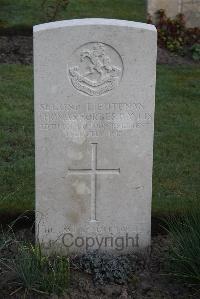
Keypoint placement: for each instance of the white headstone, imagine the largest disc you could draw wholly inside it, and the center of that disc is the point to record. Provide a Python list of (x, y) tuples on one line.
[(94, 125)]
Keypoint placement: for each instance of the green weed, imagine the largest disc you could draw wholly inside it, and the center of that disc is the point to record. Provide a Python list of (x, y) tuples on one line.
[(184, 257), (36, 272)]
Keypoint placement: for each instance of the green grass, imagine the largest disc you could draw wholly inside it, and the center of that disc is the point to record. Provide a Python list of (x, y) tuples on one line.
[(176, 150), (29, 12), (33, 272), (16, 139), (177, 139), (183, 262)]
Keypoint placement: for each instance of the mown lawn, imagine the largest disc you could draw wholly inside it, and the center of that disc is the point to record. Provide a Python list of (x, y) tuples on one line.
[(16, 139), (177, 139), (29, 12), (176, 150)]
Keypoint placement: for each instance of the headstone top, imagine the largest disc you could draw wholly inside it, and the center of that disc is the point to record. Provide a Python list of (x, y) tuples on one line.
[(93, 21)]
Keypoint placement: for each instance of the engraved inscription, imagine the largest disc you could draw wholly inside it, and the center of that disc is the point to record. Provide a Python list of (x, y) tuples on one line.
[(94, 119), (99, 69), (93, 172), (97, 228)]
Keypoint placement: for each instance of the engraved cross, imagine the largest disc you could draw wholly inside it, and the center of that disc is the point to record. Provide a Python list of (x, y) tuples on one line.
[(93, 172)]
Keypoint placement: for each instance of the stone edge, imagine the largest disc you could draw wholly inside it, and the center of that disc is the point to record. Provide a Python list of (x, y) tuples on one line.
[(93, 21)]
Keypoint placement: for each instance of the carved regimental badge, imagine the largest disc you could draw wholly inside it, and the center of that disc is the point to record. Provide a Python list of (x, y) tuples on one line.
[(95, 69)]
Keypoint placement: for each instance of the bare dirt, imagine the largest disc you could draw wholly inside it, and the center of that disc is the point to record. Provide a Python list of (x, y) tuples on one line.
[(145, 277)]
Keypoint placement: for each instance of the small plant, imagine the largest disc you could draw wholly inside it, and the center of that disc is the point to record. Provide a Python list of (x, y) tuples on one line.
[(106, 268), (171, 33), (7, 235), (55, 279), (185, 249), (35, 272), (6, 238), (3, 24), (195, 52), (175, 36), (53, 8)]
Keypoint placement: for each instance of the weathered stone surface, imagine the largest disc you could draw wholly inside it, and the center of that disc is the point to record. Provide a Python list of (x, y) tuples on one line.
[(171, 7), (190, 8), (94, 124)]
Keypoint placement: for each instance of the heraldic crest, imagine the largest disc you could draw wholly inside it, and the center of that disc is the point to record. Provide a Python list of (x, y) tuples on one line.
[(99, 75)]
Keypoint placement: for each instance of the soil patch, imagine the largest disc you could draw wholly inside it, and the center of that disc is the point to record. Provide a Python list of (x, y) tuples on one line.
[(143, 275), (19, 49), (16, 49), (166, 57)]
